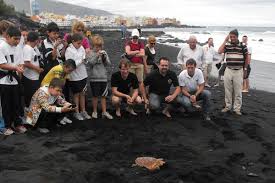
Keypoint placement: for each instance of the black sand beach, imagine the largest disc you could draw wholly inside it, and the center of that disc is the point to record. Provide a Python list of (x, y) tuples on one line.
[(231, 150)]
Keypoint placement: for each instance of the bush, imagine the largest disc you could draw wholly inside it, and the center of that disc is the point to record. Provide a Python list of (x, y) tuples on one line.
[(6, 9)]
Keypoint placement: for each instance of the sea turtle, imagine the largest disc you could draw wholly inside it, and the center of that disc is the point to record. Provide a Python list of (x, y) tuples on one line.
[(150, 163)]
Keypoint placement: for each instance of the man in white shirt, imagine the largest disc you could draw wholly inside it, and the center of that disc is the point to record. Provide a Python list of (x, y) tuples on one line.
[(246, 80), (10, 66), (191, 82), (209, 54), (192, 50)]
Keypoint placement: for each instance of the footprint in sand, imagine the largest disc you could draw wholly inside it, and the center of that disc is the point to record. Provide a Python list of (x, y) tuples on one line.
[(253, 131), (229, 135)]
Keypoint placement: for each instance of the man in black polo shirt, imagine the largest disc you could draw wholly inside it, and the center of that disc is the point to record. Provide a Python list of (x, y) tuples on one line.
[(159, 83), (236, 69), (125, 88)]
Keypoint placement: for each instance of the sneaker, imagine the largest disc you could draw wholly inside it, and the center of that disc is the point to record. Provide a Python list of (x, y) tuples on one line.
[(216, 85), (67, 120), (197, 106), (62, 122), (238, 113), (43, 130), (131, 111), (148, 112), (20, 129), (207, 117), (107, 115), (94, 115), (85, 115), (207, 85), (224, 110), (78, 116), (6, 131), (118, 114), (166, 113)]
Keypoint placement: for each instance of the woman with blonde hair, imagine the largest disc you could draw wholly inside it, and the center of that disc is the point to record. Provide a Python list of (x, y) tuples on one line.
[(78, 27), (150, 54)]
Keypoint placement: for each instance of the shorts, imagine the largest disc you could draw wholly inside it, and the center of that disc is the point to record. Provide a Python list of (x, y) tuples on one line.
[(78, 86), (99, 89), (248, 71), (138, 70), (207, 70)]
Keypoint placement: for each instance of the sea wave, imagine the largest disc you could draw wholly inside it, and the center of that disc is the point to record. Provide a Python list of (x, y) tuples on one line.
[(269, 32), (262, 42)]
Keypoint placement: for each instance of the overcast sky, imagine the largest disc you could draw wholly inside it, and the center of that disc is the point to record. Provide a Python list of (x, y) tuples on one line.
[(194, 12)]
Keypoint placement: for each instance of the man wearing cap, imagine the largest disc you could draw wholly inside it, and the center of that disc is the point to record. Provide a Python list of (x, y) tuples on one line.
[(135, 51), (192, 50), (237, 61)]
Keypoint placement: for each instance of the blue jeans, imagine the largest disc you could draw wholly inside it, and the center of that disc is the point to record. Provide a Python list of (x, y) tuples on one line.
[(156, 101), (204, 96)]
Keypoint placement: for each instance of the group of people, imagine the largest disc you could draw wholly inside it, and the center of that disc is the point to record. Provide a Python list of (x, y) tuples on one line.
[(52, 76), (235, 67)]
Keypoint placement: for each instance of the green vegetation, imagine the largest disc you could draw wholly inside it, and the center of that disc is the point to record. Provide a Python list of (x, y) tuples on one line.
[(6, 9)]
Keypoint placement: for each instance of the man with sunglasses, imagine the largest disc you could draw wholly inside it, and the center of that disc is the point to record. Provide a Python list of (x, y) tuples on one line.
[(237, 62)]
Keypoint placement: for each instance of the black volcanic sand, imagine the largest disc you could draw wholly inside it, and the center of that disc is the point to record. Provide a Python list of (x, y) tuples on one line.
[(102, 151)]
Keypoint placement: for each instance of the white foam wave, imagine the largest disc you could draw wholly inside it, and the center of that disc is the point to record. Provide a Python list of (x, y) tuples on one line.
[(261, 50)]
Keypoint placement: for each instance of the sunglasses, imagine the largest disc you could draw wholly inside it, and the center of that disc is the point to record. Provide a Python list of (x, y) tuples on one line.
[(135, 37), (152, 43)]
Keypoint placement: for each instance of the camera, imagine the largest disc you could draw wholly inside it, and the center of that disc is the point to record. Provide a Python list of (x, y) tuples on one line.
[(73, 106), (103, 56)]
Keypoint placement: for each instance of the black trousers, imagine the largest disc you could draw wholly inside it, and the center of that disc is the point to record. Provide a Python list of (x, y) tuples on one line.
[(30, 87), (48, 119), (11, 104), (66, 91)]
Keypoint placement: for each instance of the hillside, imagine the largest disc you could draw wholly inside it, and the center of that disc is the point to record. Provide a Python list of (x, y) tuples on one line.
[(8, 13), (56, 7)]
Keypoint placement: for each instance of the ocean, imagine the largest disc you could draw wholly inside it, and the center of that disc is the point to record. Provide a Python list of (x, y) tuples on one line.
[(261, 50)]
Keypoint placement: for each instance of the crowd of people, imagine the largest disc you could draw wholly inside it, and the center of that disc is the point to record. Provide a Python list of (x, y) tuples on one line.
[(51, 75)]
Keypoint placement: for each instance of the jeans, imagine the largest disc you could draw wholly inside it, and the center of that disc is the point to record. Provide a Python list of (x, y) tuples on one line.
[(156, 101), (204, 96)]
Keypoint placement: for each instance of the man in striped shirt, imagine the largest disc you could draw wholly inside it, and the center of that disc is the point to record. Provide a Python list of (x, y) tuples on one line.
[(237, 60)]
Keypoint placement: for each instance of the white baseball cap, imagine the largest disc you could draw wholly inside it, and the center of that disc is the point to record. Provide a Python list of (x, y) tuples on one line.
[(135, 32)]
